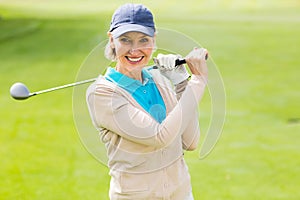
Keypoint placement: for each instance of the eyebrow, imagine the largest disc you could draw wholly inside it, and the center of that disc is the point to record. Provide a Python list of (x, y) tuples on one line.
[(143, 36)]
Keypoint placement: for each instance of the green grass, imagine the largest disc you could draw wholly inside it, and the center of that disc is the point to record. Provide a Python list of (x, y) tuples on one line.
[(255, 45)]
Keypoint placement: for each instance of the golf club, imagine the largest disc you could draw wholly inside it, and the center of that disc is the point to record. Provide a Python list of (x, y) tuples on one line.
[(19, 91)]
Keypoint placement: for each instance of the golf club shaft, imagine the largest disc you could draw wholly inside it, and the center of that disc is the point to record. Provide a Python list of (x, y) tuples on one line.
[(20, 92), (62, 87)]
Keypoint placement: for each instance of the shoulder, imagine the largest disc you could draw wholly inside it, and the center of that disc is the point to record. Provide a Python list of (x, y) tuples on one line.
[(153, 70), (103, 88), (101, 85)]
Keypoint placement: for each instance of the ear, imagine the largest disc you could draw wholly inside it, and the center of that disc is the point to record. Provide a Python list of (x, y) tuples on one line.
[(111, 40)]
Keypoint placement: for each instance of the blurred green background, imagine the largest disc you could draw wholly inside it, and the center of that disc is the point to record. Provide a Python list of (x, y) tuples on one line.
[(255, 45)]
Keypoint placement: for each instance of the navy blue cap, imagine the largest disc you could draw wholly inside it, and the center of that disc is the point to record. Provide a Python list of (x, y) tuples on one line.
[(132, 17)]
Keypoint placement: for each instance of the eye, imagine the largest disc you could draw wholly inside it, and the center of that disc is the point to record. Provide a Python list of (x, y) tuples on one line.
[(144, 40), (125, 40)]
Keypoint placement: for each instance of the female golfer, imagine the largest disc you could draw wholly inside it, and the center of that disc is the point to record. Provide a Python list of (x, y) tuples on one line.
[(146, 116)]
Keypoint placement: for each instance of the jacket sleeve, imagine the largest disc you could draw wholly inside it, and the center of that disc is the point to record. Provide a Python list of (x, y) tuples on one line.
[(111, 110), (191, 135)]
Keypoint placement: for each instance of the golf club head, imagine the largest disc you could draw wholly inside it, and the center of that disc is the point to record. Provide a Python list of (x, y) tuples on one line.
[(19, 91)]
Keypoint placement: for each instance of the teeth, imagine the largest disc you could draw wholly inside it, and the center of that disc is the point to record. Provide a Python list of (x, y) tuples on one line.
[(134, 59)]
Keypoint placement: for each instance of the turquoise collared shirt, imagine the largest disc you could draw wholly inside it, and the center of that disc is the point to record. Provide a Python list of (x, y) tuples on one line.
[(146, 93)]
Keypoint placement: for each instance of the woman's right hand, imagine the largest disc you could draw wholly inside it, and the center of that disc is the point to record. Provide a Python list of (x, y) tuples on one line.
[(196, 62)]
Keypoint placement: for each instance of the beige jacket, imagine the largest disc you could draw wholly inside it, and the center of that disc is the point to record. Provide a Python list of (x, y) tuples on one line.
[(146, 158)]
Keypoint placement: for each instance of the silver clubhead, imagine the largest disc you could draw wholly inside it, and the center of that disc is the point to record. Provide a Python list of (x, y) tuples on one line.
[(19, 91)]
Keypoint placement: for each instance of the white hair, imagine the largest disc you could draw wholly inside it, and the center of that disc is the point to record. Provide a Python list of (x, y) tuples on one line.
[(109, 52)]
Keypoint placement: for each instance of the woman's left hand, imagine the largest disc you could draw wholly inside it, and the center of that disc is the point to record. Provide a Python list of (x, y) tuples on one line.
[(166, 65)]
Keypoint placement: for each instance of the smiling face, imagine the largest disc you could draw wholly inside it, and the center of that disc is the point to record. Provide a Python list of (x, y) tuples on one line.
[(133, 50)]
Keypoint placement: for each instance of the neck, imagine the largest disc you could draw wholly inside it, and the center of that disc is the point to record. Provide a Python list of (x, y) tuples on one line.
[(134, 74)]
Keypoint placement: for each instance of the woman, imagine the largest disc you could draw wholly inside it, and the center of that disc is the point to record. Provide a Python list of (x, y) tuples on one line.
[(146, 116)]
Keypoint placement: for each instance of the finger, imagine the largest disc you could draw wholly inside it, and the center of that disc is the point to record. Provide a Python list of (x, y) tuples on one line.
[(204, 54), (171, 62), (163, 61), (156, 61), (159, 56), (200, 53)]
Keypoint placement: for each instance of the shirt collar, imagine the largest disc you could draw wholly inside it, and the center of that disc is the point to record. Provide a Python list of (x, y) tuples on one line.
[(146, 76), (124, 81)]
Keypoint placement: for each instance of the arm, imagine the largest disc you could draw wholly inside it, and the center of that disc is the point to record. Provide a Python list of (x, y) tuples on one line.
[(111, 110), (191, 136), (196, 61)]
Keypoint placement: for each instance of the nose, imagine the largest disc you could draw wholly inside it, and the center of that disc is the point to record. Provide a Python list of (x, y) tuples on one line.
[(134, 49)]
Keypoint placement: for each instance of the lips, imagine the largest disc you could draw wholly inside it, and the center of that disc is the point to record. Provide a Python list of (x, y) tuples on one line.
[(134, 59)]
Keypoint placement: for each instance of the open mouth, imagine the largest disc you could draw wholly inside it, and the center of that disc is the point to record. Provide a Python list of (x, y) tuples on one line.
[(134, 60)]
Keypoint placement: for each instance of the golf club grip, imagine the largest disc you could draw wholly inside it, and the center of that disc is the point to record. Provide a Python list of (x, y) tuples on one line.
[(179, 62), (182, 61)]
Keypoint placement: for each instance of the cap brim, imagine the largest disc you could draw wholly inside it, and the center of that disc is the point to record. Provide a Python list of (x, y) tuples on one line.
[(132, 27)]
